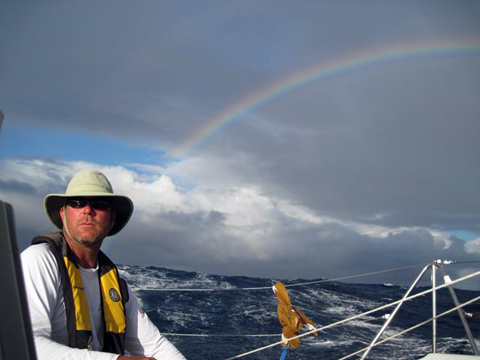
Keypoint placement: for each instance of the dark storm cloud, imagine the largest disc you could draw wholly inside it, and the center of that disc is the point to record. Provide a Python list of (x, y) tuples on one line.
[(326, 251), (178, 240), (134, 68), (17, 186)]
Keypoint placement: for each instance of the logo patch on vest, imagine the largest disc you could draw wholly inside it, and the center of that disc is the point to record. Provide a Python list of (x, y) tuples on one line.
[(114, 295)]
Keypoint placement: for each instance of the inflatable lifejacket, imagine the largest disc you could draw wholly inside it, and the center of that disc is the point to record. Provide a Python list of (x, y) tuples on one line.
[(113, 290)]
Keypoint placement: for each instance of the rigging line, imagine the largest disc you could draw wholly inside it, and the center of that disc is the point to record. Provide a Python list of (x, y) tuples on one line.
[(360, 275), (362, 314), (223, 335), (466, 262), (290, 285), (412, 328), (210, 290), (226, 335)]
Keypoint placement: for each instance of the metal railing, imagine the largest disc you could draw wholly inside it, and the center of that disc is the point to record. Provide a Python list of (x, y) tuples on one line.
[(448, 282), (407, 297)]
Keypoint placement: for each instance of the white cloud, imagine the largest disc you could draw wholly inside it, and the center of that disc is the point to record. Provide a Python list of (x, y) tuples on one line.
[(230, 230), (473, 246)]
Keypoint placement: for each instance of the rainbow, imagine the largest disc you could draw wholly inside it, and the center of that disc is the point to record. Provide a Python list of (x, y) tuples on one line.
[(349, 62)]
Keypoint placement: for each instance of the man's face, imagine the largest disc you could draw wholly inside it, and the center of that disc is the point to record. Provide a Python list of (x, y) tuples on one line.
[(87, 221)]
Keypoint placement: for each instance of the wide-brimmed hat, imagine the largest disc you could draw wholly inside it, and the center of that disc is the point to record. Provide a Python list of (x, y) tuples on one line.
[(89, 183)]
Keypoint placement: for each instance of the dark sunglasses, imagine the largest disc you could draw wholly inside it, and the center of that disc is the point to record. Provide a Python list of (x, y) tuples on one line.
[(98, 204)]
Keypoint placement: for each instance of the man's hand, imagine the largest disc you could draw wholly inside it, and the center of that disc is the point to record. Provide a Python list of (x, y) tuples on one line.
[(135, 358)]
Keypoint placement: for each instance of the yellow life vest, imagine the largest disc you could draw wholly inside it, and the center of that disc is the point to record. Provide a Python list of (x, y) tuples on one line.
[(113, 291)]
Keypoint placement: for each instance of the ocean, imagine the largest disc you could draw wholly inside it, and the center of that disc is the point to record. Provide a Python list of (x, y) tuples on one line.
[(227, 317)]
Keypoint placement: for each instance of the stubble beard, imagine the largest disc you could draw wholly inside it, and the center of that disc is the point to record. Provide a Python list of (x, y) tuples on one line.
[(90, 240), (91, 243)]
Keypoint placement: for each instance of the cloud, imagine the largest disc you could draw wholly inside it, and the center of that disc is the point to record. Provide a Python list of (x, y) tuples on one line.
[(232, 230), (17, 186)]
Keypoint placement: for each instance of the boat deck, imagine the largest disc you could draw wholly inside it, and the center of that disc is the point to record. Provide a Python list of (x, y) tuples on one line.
[(449, 357)]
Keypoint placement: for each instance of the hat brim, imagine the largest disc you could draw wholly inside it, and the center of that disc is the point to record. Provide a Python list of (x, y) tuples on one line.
[(122, 204)]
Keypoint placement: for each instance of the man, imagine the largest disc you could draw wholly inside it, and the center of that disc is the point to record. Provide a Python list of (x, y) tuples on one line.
[(79, 306)]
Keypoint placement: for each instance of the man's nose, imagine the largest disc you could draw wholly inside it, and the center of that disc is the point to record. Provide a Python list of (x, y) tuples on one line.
[(88, 209)]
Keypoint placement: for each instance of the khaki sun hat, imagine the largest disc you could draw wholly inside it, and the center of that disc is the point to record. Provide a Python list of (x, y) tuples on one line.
[(89, 183)]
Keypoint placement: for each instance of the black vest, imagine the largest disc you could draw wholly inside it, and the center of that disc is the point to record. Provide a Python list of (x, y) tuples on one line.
[(113, 291)]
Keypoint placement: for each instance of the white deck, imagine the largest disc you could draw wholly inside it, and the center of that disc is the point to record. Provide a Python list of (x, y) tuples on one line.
[(449, 357)]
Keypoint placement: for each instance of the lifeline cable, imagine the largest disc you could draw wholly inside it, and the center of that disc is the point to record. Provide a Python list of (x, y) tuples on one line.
[(222, 335), (360, 275), (290, 285)]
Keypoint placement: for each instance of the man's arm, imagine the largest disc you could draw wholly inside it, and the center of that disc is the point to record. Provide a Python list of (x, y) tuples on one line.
[(143, 336), (47, 311)]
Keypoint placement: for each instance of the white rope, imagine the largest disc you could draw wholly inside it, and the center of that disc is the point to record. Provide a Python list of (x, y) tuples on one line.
[(290, 285), (355, 276), (221, 335), (360, 315), (413, 327), (207, 290)]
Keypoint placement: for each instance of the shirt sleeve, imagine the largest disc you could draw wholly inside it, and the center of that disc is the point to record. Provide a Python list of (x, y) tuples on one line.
[(45, 303), (143, 337)]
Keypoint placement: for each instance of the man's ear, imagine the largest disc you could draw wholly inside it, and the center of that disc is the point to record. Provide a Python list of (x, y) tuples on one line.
[(62, 209)]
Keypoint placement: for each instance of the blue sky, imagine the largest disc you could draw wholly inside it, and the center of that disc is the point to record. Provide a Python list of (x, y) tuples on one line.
[(375, 167), (30, 140)]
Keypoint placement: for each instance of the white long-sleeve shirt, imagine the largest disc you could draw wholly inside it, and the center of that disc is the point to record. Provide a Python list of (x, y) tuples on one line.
[(49, 322)]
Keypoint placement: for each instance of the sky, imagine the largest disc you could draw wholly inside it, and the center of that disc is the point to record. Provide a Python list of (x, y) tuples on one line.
[(259, 138)]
